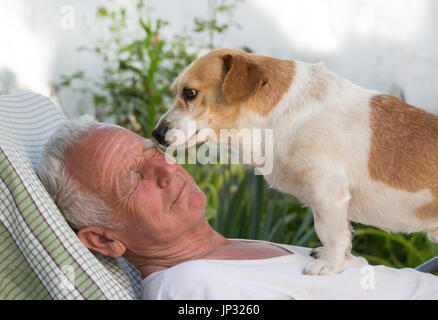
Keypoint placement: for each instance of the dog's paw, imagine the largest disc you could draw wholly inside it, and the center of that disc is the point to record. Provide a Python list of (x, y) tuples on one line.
[(321, 267)]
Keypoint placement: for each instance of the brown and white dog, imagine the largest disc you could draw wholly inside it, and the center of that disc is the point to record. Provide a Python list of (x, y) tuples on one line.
[(348, 153)]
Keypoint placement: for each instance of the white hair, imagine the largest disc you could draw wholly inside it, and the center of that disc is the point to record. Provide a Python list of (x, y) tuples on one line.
[(79, 208)]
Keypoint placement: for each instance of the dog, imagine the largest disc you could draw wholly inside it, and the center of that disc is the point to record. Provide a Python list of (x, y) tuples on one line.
[(348, 153)]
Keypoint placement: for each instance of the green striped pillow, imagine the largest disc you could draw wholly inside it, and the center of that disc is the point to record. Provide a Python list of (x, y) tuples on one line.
[(40, 256)]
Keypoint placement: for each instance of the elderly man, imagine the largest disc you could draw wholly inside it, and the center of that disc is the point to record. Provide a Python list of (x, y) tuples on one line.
[(124, 198)]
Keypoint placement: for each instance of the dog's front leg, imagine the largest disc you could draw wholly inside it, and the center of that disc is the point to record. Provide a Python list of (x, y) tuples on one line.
[(329, 203)]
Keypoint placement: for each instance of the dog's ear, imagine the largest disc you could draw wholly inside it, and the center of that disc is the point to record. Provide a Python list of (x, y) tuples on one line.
[(242, 78)]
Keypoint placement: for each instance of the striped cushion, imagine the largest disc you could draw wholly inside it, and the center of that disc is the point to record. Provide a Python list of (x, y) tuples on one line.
[(40, 256)]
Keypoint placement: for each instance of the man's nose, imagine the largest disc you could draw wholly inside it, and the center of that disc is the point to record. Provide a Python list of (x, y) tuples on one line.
[(164, 172), (159, 133)]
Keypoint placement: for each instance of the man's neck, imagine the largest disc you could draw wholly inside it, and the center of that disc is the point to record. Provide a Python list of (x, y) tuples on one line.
[(169, 255)]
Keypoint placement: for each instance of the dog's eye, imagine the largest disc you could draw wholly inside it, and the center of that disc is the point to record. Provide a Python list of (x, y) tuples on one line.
[(189, 94)]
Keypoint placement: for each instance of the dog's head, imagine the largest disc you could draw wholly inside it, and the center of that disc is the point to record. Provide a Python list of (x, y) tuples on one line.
[(212, 92)]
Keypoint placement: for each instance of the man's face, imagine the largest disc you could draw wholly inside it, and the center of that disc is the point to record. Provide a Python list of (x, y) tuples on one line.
[(155, 201)]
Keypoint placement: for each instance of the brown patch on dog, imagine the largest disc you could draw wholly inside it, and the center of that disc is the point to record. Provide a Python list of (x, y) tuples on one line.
[(206, 75), (243, 77), (257, 82), (233, 79), (404, 149)]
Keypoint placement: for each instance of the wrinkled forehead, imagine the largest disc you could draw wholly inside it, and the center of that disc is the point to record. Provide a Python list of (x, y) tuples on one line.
[(98, 147)]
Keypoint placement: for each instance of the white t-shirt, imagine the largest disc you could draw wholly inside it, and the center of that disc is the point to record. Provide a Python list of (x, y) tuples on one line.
[(281, 278)]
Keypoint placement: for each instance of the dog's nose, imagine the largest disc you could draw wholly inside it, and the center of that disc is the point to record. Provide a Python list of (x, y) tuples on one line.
[(159, 133)]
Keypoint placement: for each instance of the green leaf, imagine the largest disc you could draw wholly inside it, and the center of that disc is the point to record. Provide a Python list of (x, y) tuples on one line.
[(102, 12)]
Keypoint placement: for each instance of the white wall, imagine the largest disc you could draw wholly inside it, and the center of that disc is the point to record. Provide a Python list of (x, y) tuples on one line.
[(389, 45)]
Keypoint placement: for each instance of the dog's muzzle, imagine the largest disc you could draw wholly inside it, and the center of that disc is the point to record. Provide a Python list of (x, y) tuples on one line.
[(159, 133)]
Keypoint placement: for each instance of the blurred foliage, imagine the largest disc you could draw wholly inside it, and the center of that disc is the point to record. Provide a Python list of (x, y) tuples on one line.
[(139, 68), (134, 89)]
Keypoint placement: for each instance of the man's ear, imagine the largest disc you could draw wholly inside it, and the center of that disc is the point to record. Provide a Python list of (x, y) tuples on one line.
[(242, 78), (100, 240)]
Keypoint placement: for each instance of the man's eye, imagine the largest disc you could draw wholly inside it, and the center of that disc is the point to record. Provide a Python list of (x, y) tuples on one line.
[(130, 179), (152, 153), (189, 94)]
